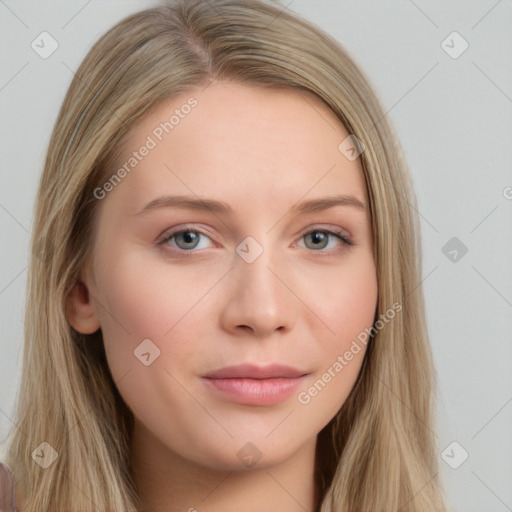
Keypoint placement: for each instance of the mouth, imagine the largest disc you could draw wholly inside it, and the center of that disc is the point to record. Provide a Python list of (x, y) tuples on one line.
[(255, 385)]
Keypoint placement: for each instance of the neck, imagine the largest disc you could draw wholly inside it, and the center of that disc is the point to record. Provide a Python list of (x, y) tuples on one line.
[(166, 482)]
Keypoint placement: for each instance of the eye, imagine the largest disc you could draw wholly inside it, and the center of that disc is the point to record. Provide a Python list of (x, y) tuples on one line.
[(184, 239), (319, 238)]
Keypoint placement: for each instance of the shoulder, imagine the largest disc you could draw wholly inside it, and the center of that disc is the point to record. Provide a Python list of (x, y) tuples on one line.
[(20, 504)]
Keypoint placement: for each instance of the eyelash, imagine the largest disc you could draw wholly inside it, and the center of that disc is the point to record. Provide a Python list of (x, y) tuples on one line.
[(331, 231)]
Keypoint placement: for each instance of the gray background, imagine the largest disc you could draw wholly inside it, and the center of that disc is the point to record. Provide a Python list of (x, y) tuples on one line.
[(453, 116)]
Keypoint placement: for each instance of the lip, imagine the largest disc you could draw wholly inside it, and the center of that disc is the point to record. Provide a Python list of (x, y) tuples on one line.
[(248, 384), (251, 371)]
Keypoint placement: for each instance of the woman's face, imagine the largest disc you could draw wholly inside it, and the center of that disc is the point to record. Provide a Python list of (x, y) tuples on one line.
[(258, 175)]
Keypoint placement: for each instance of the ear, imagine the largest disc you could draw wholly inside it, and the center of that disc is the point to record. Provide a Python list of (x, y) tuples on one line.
[(80, 310)]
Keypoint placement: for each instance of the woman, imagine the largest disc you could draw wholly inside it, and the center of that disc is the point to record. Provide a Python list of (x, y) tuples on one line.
[(251, 371)]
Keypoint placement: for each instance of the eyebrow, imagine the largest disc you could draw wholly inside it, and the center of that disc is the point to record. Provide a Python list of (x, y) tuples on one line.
[(221, 207)]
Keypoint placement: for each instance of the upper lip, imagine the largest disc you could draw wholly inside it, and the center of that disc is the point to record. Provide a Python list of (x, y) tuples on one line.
[(251, 371)]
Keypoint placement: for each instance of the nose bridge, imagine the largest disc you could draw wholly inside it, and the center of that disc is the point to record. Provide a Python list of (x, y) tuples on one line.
[(252, 267), (257, 298)]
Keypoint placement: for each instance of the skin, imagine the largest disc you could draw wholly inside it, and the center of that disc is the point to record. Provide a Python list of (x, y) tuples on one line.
[(300, 302)]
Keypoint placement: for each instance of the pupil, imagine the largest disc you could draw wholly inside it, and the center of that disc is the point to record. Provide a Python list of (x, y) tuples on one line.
[(317, 238), (189, 237)]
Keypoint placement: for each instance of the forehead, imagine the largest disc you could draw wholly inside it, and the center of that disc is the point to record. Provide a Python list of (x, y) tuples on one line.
[(236, 141)]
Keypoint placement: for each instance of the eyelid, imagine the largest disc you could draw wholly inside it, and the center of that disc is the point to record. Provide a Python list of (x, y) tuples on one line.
[(169, 233), (333, 230)]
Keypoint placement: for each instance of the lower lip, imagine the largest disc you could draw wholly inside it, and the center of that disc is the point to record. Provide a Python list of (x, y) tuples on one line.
[(255, 391)]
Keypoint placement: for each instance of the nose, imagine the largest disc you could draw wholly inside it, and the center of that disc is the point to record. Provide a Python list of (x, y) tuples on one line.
[(259, 298)]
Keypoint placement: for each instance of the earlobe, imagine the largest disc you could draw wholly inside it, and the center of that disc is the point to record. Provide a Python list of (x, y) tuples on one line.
[(80, 310)]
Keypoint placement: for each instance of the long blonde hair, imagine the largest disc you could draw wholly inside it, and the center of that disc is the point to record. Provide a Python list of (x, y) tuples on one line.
[(378, 453)]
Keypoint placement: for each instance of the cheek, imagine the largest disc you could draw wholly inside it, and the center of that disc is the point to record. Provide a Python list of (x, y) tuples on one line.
[(345, 298), (347, 305), (148, 330), (134, 305), (144, 298), (141, 301)]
